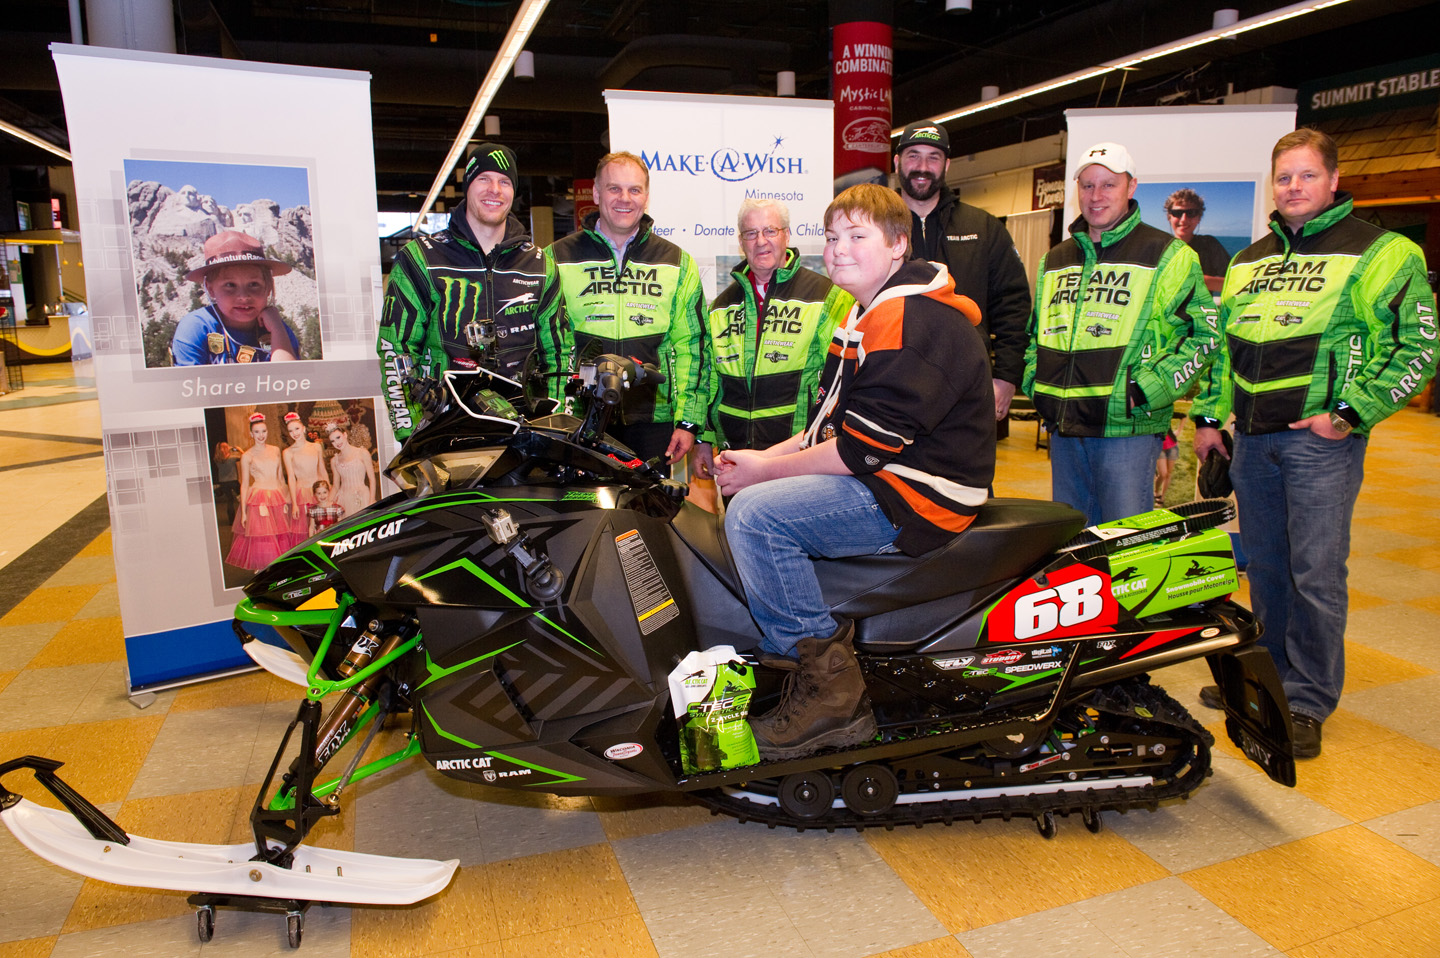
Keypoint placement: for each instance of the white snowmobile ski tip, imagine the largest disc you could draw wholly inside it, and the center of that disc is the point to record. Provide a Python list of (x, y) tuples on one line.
[(281, 663), (319, 874)]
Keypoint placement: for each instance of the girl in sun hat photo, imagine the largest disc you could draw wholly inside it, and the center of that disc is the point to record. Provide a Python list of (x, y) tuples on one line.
[(241, 323)]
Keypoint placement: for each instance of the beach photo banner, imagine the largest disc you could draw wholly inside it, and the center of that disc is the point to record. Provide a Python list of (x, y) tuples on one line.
[(1222, 149), (233, 280)]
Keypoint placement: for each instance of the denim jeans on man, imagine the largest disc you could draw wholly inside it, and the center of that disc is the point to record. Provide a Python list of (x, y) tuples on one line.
[(1296, 492), (1104, 477), (776, 529)]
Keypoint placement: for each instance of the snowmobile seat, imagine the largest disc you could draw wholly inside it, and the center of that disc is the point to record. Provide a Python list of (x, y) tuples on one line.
[(1006, 539)]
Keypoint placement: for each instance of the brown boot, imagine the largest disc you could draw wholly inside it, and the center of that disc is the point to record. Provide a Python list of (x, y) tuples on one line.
[(823, 703)]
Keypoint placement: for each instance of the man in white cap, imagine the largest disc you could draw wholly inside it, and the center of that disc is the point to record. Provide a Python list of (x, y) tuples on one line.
[(1121, 326), (973, 245)]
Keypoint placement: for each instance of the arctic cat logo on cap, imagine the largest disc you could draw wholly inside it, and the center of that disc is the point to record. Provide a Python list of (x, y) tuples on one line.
[(624, 750), (366, 536), (955, 662)]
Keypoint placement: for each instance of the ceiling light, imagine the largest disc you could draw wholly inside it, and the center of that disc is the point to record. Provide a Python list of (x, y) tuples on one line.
[(525, 66), (515, 40), (33, 140), (785, 83), (957, 6), (492, 125), (1144, 56)]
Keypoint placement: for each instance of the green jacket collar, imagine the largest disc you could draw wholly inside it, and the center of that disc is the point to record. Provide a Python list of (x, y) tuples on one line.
[(1342, 207), (782, 273), (1080, 229), (642, 232)]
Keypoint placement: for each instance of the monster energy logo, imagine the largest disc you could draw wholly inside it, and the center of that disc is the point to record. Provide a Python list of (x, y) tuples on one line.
[(459, 298), (501, 160)]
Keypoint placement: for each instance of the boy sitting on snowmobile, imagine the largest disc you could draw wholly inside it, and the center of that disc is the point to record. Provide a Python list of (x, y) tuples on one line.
[(897, 457)]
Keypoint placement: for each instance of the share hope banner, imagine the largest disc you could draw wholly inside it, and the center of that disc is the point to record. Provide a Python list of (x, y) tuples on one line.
[(708, 153), (172, 151)]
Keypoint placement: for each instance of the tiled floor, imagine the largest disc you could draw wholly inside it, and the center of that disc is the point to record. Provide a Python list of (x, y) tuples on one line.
[(1346, 864)]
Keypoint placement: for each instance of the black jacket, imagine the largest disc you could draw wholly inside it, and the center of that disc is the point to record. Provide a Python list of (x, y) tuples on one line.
[(983, 261)]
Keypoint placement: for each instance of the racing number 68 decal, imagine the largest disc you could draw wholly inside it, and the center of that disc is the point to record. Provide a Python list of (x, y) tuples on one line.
[(1070, 603), (1074, 600)]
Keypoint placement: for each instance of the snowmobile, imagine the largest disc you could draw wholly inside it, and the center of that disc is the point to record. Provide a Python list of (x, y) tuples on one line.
[(521, 603)]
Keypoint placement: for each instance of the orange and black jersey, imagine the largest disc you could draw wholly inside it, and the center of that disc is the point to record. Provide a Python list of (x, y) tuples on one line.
[(906, 393)]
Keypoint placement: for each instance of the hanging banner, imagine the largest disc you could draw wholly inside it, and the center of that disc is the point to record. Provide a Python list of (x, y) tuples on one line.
[(708, 153), (233, 277), (862, 64)]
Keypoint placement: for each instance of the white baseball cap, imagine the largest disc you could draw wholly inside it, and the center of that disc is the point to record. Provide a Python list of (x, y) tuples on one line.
[(1112, 156)]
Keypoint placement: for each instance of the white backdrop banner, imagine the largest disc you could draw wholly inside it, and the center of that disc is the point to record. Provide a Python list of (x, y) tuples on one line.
[(1190, 146), (708, 153), (169, 152)]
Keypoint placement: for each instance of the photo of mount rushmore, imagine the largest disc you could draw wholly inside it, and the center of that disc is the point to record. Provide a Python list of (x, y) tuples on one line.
[(175, 206)]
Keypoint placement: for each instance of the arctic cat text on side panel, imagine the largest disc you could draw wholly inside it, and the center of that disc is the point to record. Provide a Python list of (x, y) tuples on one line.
[(520, 607)]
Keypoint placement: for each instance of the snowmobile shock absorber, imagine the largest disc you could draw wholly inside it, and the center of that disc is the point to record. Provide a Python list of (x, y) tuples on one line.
[(337, 725)]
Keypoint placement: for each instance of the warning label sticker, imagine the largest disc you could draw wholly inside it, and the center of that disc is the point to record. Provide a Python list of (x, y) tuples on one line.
[(654, 605)]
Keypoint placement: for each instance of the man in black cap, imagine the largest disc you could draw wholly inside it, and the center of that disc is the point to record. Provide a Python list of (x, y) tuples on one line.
[(477, 293), (973, 245)]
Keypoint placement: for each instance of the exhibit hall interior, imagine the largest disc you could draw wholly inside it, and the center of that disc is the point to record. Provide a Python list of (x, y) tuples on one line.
[(277, 677)]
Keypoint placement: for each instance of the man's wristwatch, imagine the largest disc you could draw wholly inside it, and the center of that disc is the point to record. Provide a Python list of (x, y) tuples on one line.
[(1339, 423)]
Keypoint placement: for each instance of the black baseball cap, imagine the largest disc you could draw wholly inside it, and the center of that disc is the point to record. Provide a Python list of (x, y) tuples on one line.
[(924, 133)]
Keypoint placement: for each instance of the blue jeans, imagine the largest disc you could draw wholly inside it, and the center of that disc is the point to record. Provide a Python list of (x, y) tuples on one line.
[(776, 528), (1105, 478), (1296, 492)]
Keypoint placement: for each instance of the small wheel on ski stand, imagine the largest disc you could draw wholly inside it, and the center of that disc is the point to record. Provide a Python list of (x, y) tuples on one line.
[(295, 927), (869, 790), (1092, 820), (806, 795), (1045, 821), (205, 923)]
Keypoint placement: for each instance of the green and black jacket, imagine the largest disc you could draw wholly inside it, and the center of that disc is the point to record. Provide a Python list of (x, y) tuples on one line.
[(649, 306), (1118, 331), (441, 283), (1339, 314), (767, 370)]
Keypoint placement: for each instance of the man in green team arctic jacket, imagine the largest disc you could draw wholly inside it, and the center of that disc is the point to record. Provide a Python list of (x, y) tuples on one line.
[(1122, 324), (769, 334), (630, 291), (1329, 327), (478, 292)]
